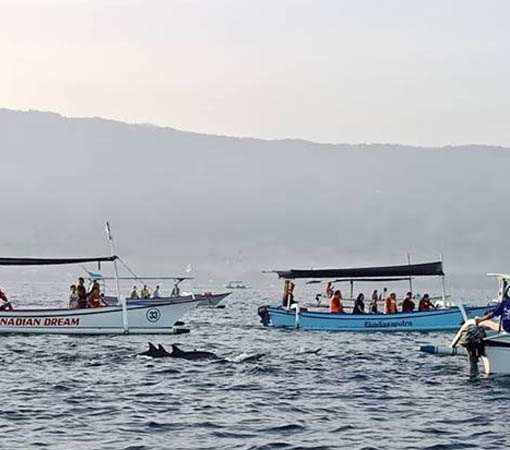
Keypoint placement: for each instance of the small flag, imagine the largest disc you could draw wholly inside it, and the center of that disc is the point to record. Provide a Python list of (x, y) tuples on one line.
[(108, 231)]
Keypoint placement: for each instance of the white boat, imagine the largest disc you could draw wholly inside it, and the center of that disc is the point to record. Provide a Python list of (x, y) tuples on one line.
[(236, 285), (141, 319), (495, 346), (146, 318)]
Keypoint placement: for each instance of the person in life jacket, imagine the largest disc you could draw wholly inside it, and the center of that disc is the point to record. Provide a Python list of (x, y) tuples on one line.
[(94, 298), (391, 304), (335, 303)]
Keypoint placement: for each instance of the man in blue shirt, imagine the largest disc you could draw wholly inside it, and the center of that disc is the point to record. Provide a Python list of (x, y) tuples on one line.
[(503, 311)]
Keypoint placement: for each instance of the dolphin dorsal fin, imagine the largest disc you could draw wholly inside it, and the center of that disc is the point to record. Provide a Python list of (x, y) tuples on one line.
[(176, 350), (152, 346)]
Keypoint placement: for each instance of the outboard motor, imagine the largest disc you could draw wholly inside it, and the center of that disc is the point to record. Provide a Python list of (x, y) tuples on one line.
[(472, 339), (264, 315)]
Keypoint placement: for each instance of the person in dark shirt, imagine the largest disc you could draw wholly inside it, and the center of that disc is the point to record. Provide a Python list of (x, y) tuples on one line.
[(503, 311), (408, 304), (81, 290), (425, 303), (359, 305), (5, 305)]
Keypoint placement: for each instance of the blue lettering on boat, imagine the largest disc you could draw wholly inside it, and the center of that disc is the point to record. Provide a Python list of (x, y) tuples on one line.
[(388, 324)]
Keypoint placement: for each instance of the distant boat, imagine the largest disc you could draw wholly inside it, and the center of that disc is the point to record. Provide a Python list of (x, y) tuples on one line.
[(445, 318), (236, 285)]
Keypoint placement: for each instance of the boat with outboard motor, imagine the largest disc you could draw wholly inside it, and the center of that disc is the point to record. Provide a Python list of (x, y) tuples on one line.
[(124, 318), (486, 341), (446, 317)]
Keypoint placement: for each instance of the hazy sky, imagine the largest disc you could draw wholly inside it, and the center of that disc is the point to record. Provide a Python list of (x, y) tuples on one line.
[(432, 72)]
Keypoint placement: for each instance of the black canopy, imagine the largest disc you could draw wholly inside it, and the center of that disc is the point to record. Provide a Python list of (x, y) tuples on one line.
[(52, 261), (408, 270)]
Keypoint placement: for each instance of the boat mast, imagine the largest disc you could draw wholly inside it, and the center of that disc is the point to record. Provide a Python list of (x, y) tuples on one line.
[(117, 285)]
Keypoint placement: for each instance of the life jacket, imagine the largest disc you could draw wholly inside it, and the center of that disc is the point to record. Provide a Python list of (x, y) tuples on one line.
[(335, 306)]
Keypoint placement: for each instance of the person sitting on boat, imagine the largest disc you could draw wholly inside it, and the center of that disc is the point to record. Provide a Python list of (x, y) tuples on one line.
[(335, 303), (133, 293), (425, 303), (391, 304), (5, 304), (155, 294), (74, 299), (373, 303), (176, 291), (94, 298), (145, 292), (384, 294), (81, 290), (408, 304), (359, 305), (502, 311)]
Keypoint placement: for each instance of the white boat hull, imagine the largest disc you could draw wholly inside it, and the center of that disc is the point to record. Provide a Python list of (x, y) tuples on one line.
[(497, 354), (142, 319)]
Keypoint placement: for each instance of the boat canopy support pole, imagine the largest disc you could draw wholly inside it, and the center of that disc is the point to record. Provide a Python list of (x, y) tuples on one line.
[(443, 288), (410, 278), (352, 289), (122, 300)]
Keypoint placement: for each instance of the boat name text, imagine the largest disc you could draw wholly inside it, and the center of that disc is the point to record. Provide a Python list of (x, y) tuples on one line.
[(39, 321), (384, 324)]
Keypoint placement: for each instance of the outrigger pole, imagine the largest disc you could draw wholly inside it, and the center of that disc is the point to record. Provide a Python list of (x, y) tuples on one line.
[(117, 285)]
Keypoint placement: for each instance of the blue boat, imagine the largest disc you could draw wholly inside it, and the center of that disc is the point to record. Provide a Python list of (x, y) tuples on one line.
[(442, 318), (447, 319)]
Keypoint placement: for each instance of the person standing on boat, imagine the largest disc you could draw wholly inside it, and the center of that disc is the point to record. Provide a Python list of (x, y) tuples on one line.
[(335, 303), (81, 290), (384, 294), (155, 294), (408, 304), (176, 291), (5, 304), (391, 304), (502, 311), (425, 303), (359, 305)]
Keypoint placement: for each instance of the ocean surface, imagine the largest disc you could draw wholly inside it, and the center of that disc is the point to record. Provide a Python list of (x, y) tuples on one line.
[(362, 391)]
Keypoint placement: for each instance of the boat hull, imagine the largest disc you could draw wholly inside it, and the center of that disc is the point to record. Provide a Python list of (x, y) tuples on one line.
[(204, 300), (142, 319), (436, 320), (497, 354)]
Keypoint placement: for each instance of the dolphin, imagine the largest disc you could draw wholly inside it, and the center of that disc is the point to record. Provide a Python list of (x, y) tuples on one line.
[(161, 352), (195, 355)]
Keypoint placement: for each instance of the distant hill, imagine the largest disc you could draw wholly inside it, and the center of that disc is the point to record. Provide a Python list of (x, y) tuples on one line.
[(232, 206)]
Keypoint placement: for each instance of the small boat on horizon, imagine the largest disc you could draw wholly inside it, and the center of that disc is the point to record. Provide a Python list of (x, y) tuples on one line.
[(445, 317), (236, 285)]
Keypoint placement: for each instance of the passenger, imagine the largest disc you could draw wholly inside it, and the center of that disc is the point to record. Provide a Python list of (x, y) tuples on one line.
[(408, 304), (335, 303), (176, 291), (329, 289), (94, 298), (359, 305), (74, 299), (145, 293), (384, 294), (155, 294), (503, 311), (285, 293), (82, 293), (425, 303), (290, 295), (5, 304), (391, 304), (134, 293)]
